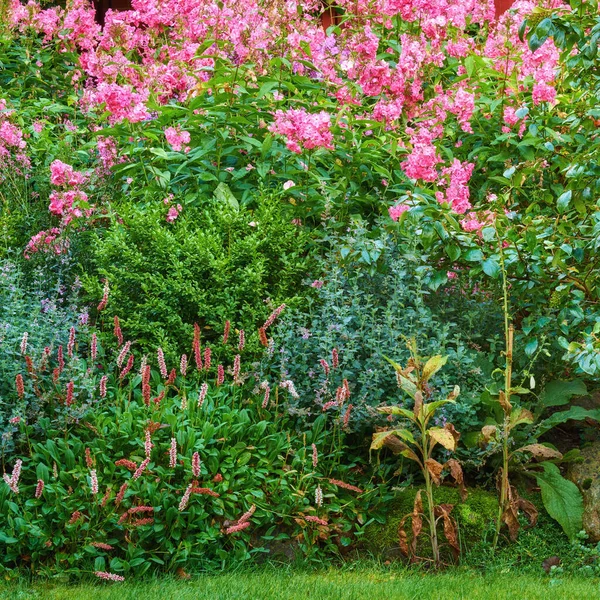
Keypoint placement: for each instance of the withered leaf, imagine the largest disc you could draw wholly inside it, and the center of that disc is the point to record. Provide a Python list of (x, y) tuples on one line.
[(531, 512), (541, 451), (504, 402), (488, 432), (417, 522), (457, 474), (435, 470), (418, 404), (443, 511)]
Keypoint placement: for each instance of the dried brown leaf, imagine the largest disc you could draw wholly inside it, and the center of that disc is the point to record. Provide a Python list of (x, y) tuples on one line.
[(418, 404), (504, 403), (457, 474), (403, 538), (488, 432), (417, 522), (435, 470), (541, 451)]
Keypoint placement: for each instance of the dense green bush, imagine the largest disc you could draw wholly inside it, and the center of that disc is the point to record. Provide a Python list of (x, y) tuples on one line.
[(213, 263)]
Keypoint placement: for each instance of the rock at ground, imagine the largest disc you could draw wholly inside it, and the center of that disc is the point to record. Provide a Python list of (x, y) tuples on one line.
[(586, 475)]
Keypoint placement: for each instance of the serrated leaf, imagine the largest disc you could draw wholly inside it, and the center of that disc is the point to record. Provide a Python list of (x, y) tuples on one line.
[(562, 499)]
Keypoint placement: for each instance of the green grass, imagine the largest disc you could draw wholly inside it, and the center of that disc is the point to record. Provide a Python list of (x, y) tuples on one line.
[(336, 584)]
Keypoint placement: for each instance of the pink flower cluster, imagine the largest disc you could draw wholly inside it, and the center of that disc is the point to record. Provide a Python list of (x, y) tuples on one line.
[(178, 139), (302, 130)]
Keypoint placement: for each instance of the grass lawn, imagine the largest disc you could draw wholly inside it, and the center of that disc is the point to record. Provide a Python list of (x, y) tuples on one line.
[(372, 584)]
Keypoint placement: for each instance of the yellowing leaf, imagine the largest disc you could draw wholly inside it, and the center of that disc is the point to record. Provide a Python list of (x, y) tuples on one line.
[(433, 365), (443, 436)]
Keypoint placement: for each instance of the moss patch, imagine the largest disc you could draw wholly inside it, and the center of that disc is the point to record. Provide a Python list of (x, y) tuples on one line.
[(474, 517)]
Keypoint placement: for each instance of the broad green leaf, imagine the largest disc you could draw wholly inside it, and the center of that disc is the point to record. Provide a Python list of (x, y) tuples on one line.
[(558, 393), (563, 200), (491, 267), (562, 499), (575, 413), (396, 410)]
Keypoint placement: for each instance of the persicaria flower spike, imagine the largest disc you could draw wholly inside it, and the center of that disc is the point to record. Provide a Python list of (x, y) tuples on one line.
[(123, 354), (173, 453), (273, 316), (183, 364), (220, 374), (335, 359), (202, 394), (70, 389), (148, 445), (226, 331), (127, 367), (186, 497), (141, 468), (162, 365), (94, 347), (242, 340), (315, 456), (207, 358), (102, 386), (39, 488), (117, 331), (196, 465), (24, 343), (319, 496), (19, 384), (93, 482), (104, 300), (236, 367), (13, 480), (109, 576)]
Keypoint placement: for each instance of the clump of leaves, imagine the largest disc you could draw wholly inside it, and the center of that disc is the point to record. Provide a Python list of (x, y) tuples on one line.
[(416, 440)]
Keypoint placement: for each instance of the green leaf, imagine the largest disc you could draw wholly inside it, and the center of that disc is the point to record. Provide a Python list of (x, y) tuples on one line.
[(531, 346), (561, 498), (575, 413), (224, 194), (558, 393), (563, 200), (491, 267)]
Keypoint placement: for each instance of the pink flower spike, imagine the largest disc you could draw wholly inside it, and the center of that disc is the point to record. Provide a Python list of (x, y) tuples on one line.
[(196, 465), (173, 453), (109, 576)]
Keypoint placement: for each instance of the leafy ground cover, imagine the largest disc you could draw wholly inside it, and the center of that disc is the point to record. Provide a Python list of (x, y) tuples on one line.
[(352, 584), (270, 292)]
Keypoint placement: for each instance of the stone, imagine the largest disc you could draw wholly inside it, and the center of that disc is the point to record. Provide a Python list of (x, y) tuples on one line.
[(586, 475)]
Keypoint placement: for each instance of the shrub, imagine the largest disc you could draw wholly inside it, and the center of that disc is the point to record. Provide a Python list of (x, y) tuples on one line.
[(368, 309), (210, 265)]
